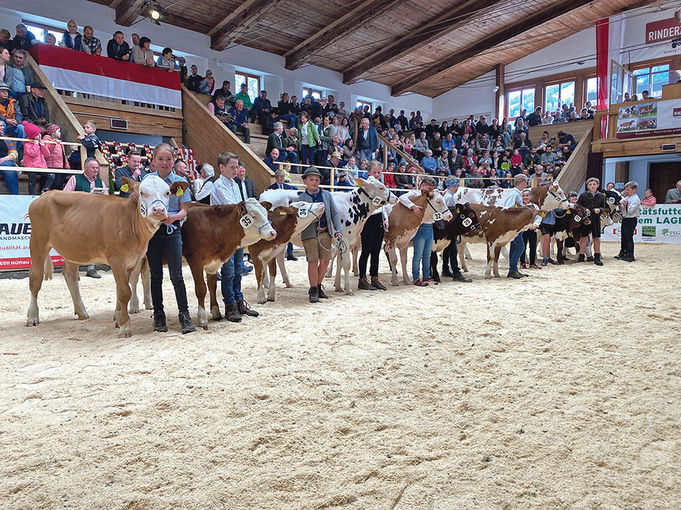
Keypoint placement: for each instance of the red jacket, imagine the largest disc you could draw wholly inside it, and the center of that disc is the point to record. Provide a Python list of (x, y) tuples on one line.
[(56, 158), (35, 154)]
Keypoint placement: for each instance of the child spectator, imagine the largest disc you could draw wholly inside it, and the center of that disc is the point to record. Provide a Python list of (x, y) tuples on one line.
[(318, 236), (50, 40), (649, 199), (630, 206), (90, 140), (57, 157), (35, 153)]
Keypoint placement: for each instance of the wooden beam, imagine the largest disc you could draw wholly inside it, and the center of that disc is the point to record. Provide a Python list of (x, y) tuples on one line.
[(499, 106), (238, 22), (486, 43), (127, 11), (445, 23), (342, 27)]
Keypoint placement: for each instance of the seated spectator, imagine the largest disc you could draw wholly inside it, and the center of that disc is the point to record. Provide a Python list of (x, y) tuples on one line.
[(560, 159), (204, 183), (280, 181), (401, 180), (208, 83), (443, 163), (240, 122), (421, 145), (272, 161), (448, 143), (547, 119), (72, 38), (352, 166), (132, 170), (166, 60), (363, 169), (474, 180), (35, 154), (523, 144), (6, 69), (244, 97), (435, 144), (673, 195), (531, 158), (335, 145), (50, 39), (219, 109), (584, 114), (277, 140), (567, 143), (33, 106), (284, 109), (429, 163), (117, 48), (535, 118), (142, 54), (649, 199), (520, 127), (345, 179), (541, 178), (493, 180), (8, 158), (389, 176), (57, 158), (194, 80), (23, 38), (5, 39), (262, 110), (224, 91), (549, 157), (10, 115), (573, 117), (89, 43), (470, 160), (349, 149), (544, 141), (22, 76), (334, 161)]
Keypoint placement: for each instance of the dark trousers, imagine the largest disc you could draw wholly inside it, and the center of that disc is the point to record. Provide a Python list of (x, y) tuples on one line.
[(529, 236), (372, 240), (449, 258), (627, 243), (170, 245), (307, 155)]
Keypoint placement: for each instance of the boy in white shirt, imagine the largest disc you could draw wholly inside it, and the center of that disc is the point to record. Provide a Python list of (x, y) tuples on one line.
[(630, 206)]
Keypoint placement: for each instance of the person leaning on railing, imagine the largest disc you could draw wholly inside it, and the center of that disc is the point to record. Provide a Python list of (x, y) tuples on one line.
[(142, 54), (71, 38), (117, 48)]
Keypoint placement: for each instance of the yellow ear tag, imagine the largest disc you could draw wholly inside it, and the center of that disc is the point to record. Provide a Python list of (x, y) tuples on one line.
[(359, 184), (282, 213), (125, 188), (543, 214), (568, 212), (179, 191)]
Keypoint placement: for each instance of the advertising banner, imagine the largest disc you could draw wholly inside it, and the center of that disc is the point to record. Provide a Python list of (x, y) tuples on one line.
[(654, 118), (659, 224), (15, 233)]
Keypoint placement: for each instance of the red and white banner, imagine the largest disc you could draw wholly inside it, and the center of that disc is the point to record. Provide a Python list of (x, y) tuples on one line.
[(662, 30), (92, 74), (15, 233)]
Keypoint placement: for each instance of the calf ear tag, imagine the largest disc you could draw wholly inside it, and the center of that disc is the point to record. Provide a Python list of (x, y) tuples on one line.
[(568, 212), (125, 188), (542, 214), (246, 220), (611, 200), (302, 212), (376, 201), (179, 192), (467, 222), (578, 218), (437, 216)]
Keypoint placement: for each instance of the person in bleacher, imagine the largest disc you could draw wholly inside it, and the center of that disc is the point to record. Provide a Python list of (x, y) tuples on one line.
[(10, 114), (57, 157), (23, 76), (50, 40), (272, 160), (225, 92), (218, 108), (142, 54), (89, 43), (262, 110), (72, 38), (23, 38), (208, 83), (8, 157), (132, 170), (194, 80), (244, 97), (33, 105), (117, 48), (167, 60), (240, 122), (6, 39), (278, 140)]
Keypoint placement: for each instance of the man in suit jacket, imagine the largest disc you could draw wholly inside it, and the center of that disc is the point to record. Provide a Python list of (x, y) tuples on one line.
[(132, 170), (33, 106), (278, 140), (246, 184), (456, 160), (280, 176)]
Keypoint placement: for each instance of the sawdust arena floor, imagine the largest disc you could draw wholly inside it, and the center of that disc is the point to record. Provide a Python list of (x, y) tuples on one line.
[(559, 391)]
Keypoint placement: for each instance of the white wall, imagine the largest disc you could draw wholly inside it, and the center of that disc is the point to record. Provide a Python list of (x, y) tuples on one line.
[(196, 48), (475, 97)]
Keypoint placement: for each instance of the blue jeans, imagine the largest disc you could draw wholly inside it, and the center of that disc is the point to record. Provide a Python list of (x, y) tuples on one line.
[(284, 155), (517, 246), (16, 132), (367, 154), (307, 155), (170, 245), (11, 178), (423, 242), (291, 118), (230, 281)]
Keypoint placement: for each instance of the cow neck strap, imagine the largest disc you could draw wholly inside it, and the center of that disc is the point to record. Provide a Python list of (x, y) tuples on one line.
[(432, 206), (362, 190), (555, 195)]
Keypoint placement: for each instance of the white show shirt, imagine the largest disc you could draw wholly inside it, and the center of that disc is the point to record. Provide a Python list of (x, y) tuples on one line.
[(224, 191), (405, 200)]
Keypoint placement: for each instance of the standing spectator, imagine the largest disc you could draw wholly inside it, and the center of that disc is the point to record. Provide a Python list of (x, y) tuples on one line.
[(204, 184), (33, 105), (246, 183), (23, 76), (8, 158), (167, 243), (10, 115), (226, 190), (515, 199), (208, 83), (72, 38), (90, 44), (630, 206), (367, 140), (131, 170), (35, 153), (181, 66), (6, 69), (318, 236), (225, 92), (673, 195), (423, 240), (89, 182), (135, 38), (57, 158), (530, 236), (142, 54), (194, 80), (23, 38), (90, 140), (117, 48), (240, 120), (534, 118), (166, 60), (649, 199), (309, 138)]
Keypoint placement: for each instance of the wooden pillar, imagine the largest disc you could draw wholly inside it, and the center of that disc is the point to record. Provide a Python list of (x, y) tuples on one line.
[(499, 98)]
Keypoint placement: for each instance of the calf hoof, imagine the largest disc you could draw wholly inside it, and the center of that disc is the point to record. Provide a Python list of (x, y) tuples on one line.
[(262, 301), (148, 306), (205, 327), (82, 316), (338, 289), (288, 285), (270, 299), (349, 293), (215, 314), (126, 331), (134, 309), (32, 321), (395, 283)]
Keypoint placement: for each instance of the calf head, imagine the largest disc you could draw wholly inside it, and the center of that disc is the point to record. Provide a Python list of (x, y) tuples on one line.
[(613, 199), (436, 208), (152, 195), (578, 216), (550, 197), (378, 192), (306, 213), (464, 218), (254, 221)]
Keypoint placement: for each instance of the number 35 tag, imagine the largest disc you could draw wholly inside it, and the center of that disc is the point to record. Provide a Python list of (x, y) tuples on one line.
[(302, 212), (437, 216), (246, 220)]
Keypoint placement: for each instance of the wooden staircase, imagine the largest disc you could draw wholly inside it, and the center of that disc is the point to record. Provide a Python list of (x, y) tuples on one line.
[(573, 174)]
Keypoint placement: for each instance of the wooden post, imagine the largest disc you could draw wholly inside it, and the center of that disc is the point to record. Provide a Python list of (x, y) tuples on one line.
[(500, 93), (385, 156)]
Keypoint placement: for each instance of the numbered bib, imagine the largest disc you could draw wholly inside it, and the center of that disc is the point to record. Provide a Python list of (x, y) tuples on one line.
[(246, 220), (302, 212), (376, 201), (467, 222), (437, 216), (578, 218)]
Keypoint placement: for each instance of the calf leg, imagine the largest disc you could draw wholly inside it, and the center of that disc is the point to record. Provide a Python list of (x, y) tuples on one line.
[(123, 292), (433, 266), (70, 273), (281, 262), (467, 255), (391, 254), (488, 269), (403, 261), (497, 251), (35, 278), (559, 249), (329, 270), (146, 284), (355, 258), (344, 261), (463, 249), (260, 277), (212, 280), (134, 277), (200, 291), (504, 252), (272, 284)]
